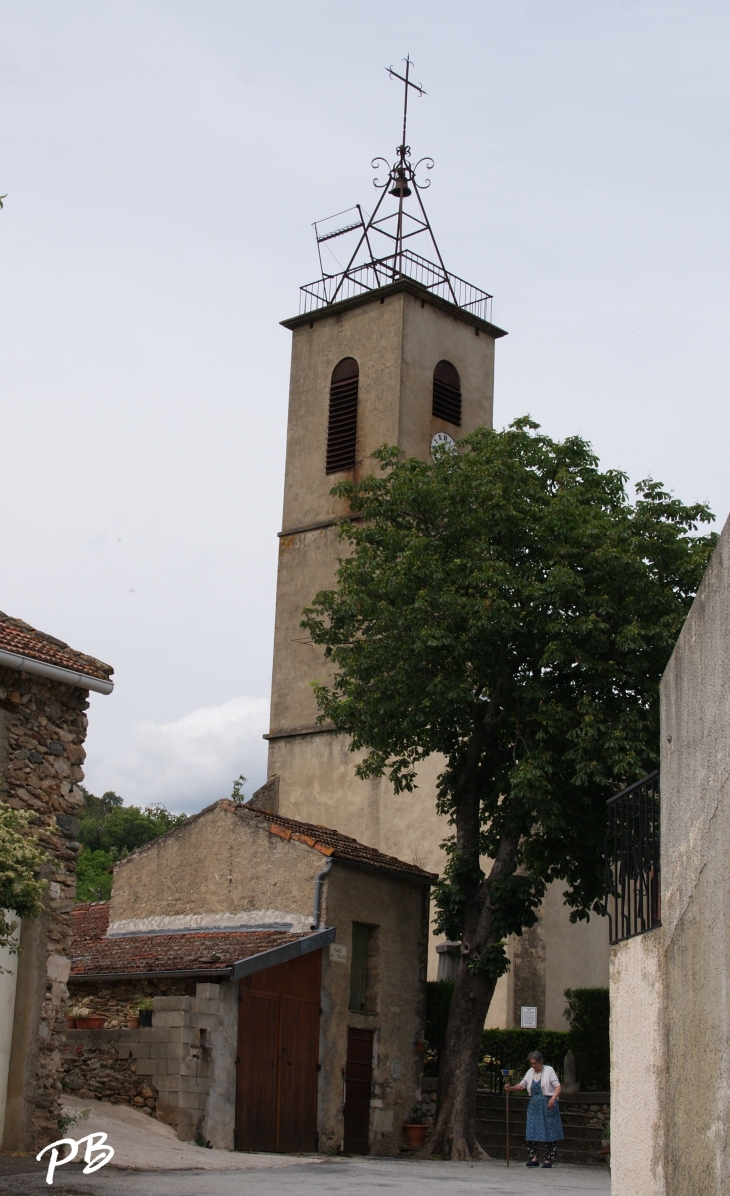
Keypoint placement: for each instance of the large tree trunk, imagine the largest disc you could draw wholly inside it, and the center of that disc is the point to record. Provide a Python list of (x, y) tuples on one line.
[(454, 1134)]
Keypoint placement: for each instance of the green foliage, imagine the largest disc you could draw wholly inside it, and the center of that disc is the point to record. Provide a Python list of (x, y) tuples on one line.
[(511, 1048), (109, 831), (145, 1003), (237, 791), (509, 608), (21, 858), (587, 1014), (416, 1116)]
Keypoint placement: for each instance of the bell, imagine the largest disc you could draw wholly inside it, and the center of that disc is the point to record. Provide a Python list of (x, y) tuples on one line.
[(400, 186)]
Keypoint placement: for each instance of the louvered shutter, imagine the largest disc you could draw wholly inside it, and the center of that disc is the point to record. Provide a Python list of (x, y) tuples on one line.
[(447, 393), (342, 427)]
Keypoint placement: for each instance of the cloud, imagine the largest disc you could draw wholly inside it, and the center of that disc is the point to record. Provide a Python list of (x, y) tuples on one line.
[(191, 762)]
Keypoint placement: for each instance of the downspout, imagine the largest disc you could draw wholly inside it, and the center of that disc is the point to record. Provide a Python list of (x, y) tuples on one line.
[(318, 882)]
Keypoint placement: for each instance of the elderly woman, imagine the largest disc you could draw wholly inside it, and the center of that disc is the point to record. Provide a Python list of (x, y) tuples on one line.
[(543, 1114)]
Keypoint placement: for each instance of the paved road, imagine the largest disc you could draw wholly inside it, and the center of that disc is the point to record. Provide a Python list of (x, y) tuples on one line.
[(348, 1177)]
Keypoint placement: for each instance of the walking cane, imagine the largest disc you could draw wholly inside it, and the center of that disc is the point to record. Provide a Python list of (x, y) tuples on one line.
[(506, 1073)]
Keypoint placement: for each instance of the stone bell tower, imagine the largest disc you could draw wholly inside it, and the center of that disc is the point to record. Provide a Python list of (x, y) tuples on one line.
[(394, 349)]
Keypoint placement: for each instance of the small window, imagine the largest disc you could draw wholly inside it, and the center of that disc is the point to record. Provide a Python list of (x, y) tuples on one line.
[(342, 426), (447, 393), (364, 968)]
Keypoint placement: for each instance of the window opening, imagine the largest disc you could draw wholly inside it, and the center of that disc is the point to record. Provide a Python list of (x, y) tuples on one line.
[(447, 393), (342, 426)]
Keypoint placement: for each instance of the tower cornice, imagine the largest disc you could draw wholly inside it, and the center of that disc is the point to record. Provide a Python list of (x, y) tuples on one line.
[(381, 294)]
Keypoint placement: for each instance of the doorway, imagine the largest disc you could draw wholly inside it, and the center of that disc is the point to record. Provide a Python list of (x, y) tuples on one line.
[(358, 1081), (278, 1053)]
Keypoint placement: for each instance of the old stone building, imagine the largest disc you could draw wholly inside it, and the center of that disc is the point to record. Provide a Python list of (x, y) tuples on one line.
[(393, 350), (287, 965), (44, 687)]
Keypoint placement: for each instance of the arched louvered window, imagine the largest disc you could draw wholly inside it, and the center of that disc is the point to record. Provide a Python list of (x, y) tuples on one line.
[(342, 427), (447, 393)]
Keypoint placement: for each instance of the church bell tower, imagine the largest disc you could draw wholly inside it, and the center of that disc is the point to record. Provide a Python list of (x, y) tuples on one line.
[(394, 349)]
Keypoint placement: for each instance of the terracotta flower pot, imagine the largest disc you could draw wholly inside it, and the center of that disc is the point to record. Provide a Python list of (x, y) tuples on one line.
[(416, 1135), (133, 1022), (90, 1023), (70, 1023)]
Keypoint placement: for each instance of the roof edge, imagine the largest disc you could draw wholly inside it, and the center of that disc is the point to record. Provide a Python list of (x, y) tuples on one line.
[(282, 954), (54, 672), (403, 284)]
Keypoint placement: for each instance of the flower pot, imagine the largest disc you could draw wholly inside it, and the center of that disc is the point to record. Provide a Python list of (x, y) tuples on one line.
[(70, 1023), (416, 1135), (90, 1023), (145, 1017), (133, 1022)]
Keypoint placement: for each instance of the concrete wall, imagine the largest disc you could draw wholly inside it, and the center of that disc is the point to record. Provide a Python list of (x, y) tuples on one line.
[(695, 844), (640, 1086), (399, 909), (221, 868)]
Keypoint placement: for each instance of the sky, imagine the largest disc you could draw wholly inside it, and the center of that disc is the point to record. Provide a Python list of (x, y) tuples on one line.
[(163, 163)]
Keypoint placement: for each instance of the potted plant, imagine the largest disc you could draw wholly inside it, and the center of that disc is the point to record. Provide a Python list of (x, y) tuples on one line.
[(133, 1020), (416, 1127), (145, 1006), (72, 1015), (85, 1020)]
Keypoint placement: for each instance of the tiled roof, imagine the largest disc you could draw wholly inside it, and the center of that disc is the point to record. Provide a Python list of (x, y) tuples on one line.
[(332, 843), (93, 954), (22, 639)]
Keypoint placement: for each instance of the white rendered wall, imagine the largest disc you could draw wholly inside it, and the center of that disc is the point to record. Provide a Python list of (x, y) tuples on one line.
[(8, 983), (638, 1066)]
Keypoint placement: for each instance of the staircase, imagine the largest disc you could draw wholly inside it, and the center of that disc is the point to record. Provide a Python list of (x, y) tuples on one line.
[(582, 1140)]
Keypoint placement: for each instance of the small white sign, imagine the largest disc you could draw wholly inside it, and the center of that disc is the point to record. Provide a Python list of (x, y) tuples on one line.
[(528, 1017), (337, 953)]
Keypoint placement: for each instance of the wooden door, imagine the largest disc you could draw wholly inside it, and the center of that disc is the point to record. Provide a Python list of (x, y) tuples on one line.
[(278, 1051), (358, 1080)]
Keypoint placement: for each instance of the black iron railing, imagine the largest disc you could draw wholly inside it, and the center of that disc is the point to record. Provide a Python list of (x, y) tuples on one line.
[(632, 860), (381, 273)]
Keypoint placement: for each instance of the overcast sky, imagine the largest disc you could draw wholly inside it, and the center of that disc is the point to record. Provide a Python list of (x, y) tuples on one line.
[(163, 163)]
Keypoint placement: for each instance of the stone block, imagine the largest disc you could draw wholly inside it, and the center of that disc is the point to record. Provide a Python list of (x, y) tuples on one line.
[(167, 1017), (193, 1100), (167, 1083), (166, 1004), (194, 1084), (195, 1067), (160, 1034), (208, 992), (146, 1067), (140, 1050), (201, 1005), (165, 1050), (207, 1021)]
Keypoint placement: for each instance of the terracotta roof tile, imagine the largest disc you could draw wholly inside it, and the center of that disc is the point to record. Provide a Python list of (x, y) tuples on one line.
[(24, 640), (332, 843), (93, 954)]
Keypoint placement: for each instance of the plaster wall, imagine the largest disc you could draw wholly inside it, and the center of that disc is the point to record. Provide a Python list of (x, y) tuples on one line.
[(695, 841), (398, 909), (222, 862), (220, 1114), (639, 1082), (576, 954)]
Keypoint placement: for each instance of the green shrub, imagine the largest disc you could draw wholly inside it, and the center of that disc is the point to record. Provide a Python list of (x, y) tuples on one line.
[(587, 1014), (438, 1003), (93, 879), (109, 831), (511, 1048)]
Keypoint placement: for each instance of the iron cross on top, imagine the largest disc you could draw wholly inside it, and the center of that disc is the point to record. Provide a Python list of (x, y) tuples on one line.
[(403, 149)]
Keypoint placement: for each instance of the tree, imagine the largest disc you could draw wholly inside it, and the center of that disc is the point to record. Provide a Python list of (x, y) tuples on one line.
[(109, 831), (21, 859), (509, 608)]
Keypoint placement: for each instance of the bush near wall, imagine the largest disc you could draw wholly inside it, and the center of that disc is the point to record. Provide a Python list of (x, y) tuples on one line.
[(587, 1014)]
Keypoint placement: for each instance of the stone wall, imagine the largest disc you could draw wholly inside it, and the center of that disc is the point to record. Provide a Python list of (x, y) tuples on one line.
[(102, 1065), (42, 731), (118, 1000)]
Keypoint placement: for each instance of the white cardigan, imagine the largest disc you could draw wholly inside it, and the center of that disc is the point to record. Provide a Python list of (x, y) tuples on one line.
[(547, 1077)]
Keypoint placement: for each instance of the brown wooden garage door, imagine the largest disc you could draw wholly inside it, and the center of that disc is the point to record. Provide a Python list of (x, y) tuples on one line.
[(278, 1052)]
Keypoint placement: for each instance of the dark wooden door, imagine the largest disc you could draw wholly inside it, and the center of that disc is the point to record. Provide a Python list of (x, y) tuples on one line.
[(358, 1080), (278, 1051)]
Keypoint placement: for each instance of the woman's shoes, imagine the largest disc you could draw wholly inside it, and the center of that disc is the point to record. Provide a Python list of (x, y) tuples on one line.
[(547, 1164), (532, 1163)]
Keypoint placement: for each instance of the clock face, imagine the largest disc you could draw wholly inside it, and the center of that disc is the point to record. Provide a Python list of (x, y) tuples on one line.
[(442, 440)]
